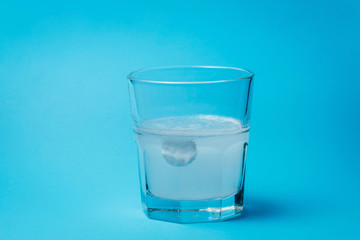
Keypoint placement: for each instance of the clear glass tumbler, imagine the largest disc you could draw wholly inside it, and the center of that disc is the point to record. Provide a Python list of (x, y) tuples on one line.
[(191, 126)]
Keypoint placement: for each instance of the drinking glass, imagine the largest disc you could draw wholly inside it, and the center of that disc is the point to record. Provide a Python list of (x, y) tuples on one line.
[(191, 126)]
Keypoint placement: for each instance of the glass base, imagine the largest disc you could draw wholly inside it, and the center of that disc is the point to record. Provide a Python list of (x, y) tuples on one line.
[(193, 211)]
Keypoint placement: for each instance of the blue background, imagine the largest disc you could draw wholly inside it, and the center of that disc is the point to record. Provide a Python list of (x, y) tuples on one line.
[(68, 165)]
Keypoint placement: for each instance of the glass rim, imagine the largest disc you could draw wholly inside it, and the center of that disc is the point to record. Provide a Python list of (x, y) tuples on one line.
[(132, 78)]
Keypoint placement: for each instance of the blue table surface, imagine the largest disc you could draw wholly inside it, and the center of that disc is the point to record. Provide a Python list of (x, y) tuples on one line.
[(68, 165)]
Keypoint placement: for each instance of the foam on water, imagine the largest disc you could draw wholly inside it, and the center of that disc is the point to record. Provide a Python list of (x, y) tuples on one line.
[(198, 125)]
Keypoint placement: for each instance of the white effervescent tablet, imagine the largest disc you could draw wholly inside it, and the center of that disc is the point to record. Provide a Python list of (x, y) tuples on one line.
[(178, 152)]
